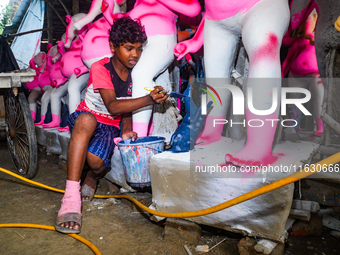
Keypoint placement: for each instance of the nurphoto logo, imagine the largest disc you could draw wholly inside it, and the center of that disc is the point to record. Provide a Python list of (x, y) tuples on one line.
[(238, 100)]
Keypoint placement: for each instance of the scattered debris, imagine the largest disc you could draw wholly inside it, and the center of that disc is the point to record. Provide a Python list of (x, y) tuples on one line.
[(265, 246), (246, 247), (114, 200), (187, 249), (331, 222), (311, 206), (299, 214), (289, 224), (202, 248), (217, 244), (155, 217), (184, 230), (19, 234), (312, 228), (336, 234)]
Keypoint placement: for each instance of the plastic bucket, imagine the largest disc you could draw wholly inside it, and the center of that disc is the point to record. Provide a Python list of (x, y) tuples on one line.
[(136, 157)]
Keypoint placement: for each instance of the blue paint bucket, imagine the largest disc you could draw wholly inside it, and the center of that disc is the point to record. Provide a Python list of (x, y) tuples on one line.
[(136, 157)]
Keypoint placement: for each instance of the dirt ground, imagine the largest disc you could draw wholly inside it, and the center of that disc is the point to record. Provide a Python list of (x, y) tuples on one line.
[(111, 225)]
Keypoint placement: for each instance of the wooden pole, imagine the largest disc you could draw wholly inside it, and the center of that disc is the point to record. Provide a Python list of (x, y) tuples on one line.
[(61, 19), (329, 94), (49, 24), (331, 122), (75, 6), (65, 8)]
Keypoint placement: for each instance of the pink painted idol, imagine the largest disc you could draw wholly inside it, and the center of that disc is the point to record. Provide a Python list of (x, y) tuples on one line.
[(159, 19), (37, 63), (261, 25), (46, 86), (301, 63)]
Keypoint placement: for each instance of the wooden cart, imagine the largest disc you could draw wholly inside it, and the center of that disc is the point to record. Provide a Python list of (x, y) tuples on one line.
[(19, 126)]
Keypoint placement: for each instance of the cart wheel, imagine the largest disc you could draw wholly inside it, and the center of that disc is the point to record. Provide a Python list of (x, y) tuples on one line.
[(21, 138)]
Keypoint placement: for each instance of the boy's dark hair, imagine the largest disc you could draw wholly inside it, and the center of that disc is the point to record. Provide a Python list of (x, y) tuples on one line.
[(126, 30)]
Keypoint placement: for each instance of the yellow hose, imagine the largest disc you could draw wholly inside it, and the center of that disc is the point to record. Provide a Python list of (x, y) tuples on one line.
[(254, 193), (25, 225), (337, 24)]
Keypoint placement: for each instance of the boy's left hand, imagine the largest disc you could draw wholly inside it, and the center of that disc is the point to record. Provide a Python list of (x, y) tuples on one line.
[(129, 134)]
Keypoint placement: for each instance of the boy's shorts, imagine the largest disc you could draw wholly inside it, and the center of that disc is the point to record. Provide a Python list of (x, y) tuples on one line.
[(101, 143)]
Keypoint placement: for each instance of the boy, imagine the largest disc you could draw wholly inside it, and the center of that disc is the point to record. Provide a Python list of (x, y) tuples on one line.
[(96, 120)]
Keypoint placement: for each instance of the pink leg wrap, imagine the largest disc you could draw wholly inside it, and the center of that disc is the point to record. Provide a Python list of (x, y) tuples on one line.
[(71, 202)]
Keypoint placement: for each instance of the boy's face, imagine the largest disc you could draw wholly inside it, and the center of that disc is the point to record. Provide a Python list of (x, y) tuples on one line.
[(127, 54)]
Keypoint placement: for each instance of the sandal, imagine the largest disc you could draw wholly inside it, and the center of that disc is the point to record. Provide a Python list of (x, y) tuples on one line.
[(68, 217)]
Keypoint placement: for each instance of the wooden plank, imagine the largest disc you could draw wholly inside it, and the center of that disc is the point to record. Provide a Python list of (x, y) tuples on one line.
[(64, 6), (331, 123), (329, 150), (2, 107), (299, 214), (305, 205), (75, 6)]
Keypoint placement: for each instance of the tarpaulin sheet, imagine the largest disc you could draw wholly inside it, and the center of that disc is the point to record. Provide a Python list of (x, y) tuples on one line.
[(24, 47)]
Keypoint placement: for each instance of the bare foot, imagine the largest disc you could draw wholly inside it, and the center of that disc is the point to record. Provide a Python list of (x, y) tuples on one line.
[(89, 187), (90, 184)]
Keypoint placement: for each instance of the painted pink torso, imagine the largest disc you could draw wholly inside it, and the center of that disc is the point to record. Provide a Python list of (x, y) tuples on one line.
[(44, 79), (56, 76), (220, 9), (71, 60), (95, 43), (49, 63), (157, 19), (305, 63), (35, 83)]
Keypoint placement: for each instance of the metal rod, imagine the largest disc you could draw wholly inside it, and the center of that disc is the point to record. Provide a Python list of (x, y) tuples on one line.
[(32, 31)]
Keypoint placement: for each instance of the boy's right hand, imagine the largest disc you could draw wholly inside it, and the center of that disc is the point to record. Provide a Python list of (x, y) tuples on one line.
[(159, 95), (129, 134)]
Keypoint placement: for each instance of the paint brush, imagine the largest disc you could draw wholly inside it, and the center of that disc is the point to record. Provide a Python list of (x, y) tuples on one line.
[(171, 94)]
